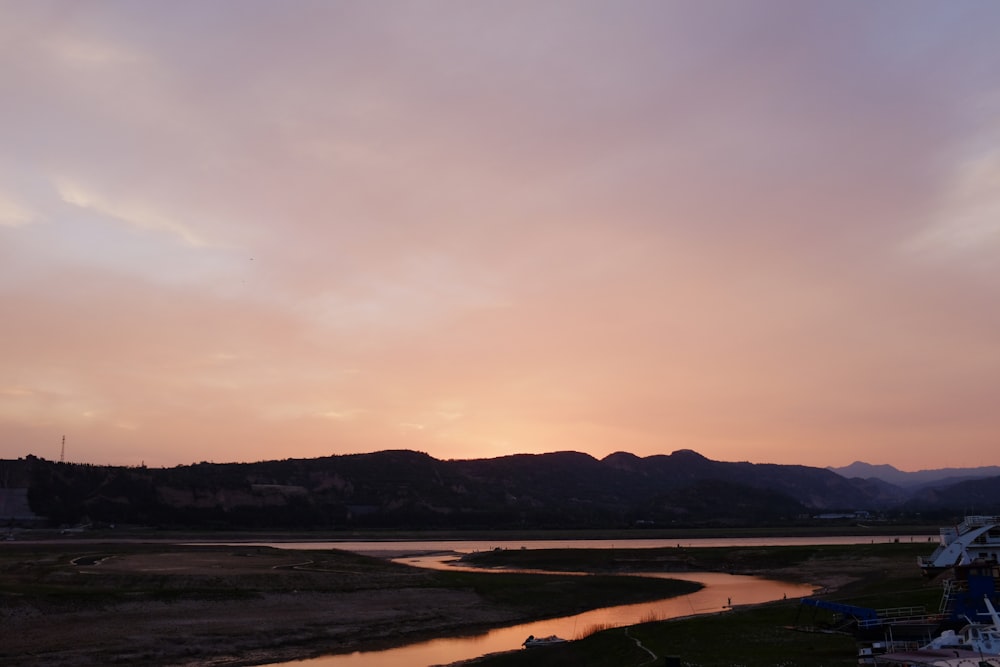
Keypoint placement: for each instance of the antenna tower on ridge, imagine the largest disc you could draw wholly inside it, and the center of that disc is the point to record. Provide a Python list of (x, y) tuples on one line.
[(62, 452)]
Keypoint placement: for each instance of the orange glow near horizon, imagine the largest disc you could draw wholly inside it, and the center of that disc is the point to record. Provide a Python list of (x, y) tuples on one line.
[(764, 233)]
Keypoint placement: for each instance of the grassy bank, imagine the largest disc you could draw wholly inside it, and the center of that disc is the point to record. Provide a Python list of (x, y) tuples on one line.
[(748, 638), (546, 596), (794, 563), (878, 575)]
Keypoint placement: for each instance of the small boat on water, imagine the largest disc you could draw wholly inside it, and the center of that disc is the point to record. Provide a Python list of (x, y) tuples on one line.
[(537, 642)]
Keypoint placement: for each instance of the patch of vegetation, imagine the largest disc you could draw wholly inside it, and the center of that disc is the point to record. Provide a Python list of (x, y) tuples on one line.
[(759, 636), (542, 595), (700, 559)]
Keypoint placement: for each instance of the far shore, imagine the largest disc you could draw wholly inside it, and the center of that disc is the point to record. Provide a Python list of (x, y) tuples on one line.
[(173, 535)]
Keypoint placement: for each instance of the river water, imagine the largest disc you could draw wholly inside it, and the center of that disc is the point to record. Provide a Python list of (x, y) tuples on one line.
[(719, 593), (381, 548)]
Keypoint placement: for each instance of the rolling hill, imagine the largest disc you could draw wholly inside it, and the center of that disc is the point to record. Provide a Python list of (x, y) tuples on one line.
[(401, 489)]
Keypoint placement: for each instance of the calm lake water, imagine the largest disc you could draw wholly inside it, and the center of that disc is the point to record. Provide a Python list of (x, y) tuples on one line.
[(720, 591)]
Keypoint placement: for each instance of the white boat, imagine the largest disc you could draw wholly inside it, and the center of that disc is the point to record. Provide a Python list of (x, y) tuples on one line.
[(536, 642), (983, 638), (976, 539), (971, 550), (975, 645), (938, 659)]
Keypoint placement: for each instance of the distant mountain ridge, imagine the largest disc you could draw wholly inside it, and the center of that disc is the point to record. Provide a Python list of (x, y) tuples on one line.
[(920, 478), (402, 489)]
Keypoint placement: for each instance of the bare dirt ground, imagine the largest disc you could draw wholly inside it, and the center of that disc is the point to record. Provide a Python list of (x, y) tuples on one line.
[(296, 610), (271, 628)]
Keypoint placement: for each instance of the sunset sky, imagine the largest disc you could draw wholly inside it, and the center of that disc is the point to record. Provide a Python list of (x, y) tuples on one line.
[(246, 230)]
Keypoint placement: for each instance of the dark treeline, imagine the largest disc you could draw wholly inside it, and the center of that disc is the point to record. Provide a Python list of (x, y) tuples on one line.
[(409, 490)]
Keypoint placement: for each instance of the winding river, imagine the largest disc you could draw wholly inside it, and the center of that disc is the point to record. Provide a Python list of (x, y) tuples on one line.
[(719, 592)]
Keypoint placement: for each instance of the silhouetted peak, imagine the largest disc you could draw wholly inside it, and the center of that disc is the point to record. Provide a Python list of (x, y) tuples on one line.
[(552, 457), (687, 455), (869, 467), (622, 460)]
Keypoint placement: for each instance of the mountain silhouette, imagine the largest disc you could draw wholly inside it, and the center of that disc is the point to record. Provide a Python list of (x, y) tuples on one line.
[(402, 489)]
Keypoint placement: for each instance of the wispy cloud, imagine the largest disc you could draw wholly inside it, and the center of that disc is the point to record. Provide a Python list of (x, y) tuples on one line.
[(134, 213), (13, 213), (966, 226), (742, 229)]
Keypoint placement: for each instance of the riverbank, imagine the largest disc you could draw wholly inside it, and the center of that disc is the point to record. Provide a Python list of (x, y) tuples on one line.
[(69, 604), (83, 603), (877, 575), (683, 534), (829, 567)]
